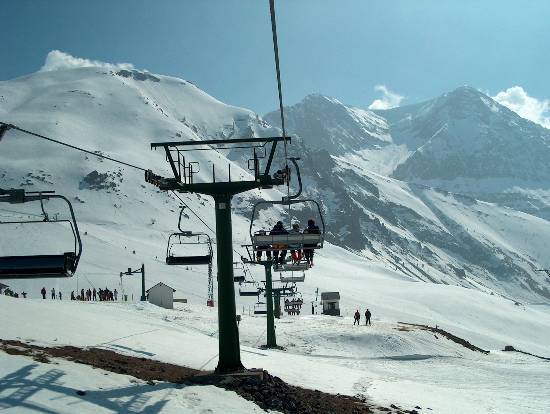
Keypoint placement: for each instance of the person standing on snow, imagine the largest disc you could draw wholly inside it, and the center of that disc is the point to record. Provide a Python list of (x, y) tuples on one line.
[(367, 317), (356, 317), (94, 294), (60, 296), (116, 294), (43, 293), (53, 293)]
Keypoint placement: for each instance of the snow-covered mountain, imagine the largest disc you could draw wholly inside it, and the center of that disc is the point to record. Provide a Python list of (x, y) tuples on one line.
[(450, 156), (427, 234)]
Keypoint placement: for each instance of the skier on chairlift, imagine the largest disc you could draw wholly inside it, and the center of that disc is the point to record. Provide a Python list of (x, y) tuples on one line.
[(312, 228), (279, 252), (295, 252), (261, 249)]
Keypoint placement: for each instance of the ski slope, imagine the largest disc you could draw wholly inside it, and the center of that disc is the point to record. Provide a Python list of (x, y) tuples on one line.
[(385, 364)]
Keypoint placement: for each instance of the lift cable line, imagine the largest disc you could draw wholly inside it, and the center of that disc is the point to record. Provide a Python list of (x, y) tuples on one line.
[(280, 91), (5, 127)]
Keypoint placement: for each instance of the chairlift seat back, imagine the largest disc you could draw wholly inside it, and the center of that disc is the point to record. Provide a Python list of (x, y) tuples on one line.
[(290, 267), (38, 266), (293, 278), (262, 240), (260, 312), (249, 292), (189, 260)]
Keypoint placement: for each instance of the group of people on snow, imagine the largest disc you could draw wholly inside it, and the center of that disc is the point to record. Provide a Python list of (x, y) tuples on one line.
[(54, 295), (85, 295), (357, 317), (294, 306), (94, 295), (296, 252), (9, 292)]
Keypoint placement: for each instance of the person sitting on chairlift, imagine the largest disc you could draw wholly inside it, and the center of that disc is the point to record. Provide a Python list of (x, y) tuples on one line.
[(279, 252), (261, 249), (312, 228), (295, 252), (282, 175)]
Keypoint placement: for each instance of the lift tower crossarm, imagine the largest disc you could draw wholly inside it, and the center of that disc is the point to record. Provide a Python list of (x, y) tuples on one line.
[(267, 140)]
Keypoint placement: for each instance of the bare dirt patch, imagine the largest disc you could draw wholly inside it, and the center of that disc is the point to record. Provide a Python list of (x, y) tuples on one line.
[(404, 326), (267, 391)]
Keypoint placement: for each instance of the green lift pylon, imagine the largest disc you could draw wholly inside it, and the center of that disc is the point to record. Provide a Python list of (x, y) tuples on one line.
[(222, 192)]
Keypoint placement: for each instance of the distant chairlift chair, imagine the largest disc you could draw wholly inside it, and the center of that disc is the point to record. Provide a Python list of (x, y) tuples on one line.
[(44, 265), (190, 239)]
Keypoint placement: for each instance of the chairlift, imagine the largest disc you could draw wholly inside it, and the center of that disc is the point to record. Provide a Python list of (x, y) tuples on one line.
[(262, 241), (239, 272), (43, 265), (188, 238), (291, 266), (293, 278), (260, 308), (254, 291)]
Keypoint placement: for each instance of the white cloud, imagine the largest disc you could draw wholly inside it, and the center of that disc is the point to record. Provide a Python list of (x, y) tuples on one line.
[(516, 99), (389, 99), (57, 60)]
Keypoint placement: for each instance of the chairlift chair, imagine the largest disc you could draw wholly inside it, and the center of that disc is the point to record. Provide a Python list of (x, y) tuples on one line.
[(293, 278), (43, 265), (260, 309), (255, 290), (245, 292), (187, 238), (291, 266), (239, 272), (264, 242)]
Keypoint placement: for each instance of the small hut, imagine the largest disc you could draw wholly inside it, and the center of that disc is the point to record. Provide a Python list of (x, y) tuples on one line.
[(161, 295), (331, 303)]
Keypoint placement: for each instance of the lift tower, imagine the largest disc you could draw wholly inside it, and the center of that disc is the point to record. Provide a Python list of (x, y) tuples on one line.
[(183, 181)]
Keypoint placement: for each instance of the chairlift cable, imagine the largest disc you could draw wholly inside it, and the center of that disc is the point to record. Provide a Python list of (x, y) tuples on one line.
[(279, 88), (10, 126)]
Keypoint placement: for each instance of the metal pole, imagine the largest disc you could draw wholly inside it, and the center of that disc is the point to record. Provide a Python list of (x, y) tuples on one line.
[(271, 339), (277, 298), (143, 298), (229, 351)]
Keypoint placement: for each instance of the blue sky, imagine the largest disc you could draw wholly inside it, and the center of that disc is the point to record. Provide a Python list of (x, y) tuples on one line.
[(416, 48)]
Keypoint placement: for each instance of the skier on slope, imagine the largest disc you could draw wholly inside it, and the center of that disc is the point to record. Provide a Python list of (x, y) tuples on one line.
[(43, 292), (356, 317), (367, 317), (53, 293)]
